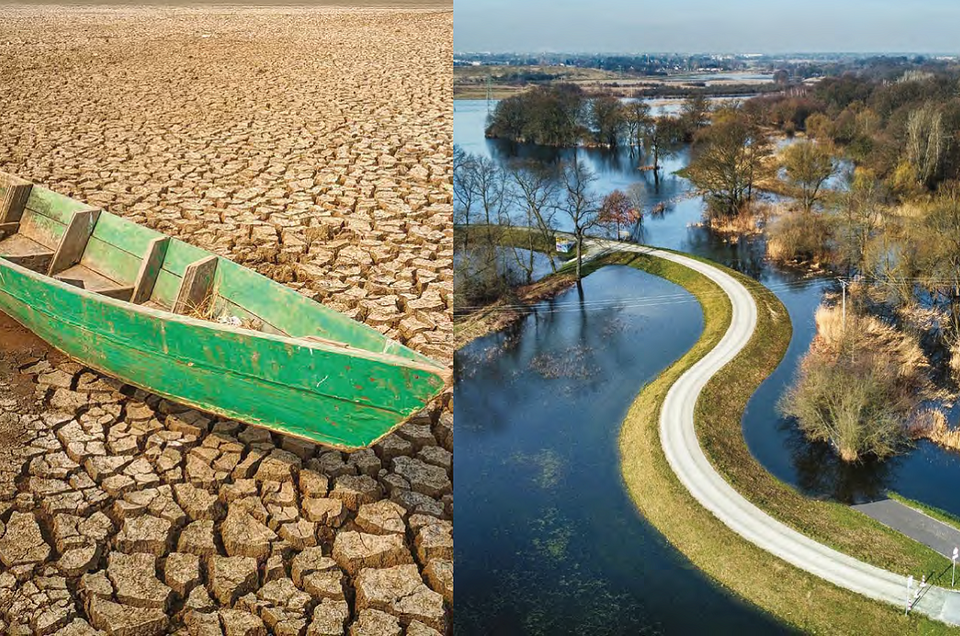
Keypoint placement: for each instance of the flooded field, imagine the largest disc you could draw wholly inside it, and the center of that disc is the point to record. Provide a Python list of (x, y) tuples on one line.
[(551, 543), (312, 144), (774, 440)]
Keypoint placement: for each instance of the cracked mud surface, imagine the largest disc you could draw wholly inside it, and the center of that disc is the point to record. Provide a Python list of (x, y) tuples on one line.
[(314, 146)]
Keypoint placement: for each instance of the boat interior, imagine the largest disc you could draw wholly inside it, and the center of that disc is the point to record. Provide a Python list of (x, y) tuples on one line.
[(77, 244), (56, 236)]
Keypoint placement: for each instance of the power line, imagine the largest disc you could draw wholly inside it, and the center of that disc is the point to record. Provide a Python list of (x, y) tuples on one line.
[(629, 301)]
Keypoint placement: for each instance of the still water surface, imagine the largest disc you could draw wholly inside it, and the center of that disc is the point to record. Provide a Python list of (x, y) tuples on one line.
[(548, 541), (775, 441)]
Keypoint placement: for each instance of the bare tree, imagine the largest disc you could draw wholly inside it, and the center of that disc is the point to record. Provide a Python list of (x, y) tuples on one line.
[(637, 195), (490, 192), (535, 194), (606, 116), (694, 115), (730, 160), (636, 116), (579, 203), (859, 216), (660, 134), (808, 166), (491, 198), (926, 143), (942, 223), (618, 211), (464, 189)]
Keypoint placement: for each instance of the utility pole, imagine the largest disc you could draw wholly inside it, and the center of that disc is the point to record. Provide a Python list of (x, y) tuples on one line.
[(488, 93), (843, 285)]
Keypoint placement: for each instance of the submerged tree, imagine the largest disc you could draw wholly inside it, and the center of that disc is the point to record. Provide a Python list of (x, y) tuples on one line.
[(549, 115), (660, 135), (579, 203), (616, 211), (808, 166), (636, 115), (731, 156), (607, 120)]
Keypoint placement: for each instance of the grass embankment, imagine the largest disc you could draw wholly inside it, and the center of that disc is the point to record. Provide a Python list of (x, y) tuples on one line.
[(788, 593)]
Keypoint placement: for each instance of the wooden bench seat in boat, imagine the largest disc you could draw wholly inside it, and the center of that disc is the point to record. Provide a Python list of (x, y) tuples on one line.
[(27, 252), (105, 254), (85, 278), (57, 236)]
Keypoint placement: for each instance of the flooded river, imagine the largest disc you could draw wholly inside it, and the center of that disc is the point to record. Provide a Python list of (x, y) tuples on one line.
[(551, 535)]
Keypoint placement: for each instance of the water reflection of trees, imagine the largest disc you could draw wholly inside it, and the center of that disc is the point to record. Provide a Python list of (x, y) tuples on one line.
[(746, 254), (821, 473)]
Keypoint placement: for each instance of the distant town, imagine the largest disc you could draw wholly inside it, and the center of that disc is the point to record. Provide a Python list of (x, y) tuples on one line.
[(489, 75)]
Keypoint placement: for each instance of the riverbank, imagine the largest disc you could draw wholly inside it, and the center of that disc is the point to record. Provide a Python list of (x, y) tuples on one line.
[(505, 312), (498, 315), (790, 594)]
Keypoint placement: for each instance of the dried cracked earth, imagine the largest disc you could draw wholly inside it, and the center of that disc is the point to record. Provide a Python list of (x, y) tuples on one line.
[(313, 145)]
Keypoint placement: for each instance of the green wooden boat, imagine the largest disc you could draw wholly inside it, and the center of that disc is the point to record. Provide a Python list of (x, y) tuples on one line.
[(183, 323)]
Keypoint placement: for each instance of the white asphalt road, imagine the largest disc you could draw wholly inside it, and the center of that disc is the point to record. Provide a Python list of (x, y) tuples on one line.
[(680, 444)]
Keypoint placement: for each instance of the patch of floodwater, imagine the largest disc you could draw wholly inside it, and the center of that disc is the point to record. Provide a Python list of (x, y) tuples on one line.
[(777, 443), (550, 542)]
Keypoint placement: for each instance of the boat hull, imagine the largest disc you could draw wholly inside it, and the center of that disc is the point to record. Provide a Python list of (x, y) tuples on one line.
[(337, 397)]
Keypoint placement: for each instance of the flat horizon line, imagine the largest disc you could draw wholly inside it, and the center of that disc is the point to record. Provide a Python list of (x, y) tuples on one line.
[(721, 53)]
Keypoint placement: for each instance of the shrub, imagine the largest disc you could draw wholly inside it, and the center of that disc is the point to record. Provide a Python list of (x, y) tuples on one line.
[(799, 237), (860, 386), (481, 276)]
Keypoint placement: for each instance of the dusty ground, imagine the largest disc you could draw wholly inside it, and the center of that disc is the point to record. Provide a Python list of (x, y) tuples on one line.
[(314, 145)]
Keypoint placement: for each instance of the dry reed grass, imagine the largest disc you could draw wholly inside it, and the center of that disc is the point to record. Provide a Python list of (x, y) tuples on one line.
[(748, 222), (870, 334), (932, 424)]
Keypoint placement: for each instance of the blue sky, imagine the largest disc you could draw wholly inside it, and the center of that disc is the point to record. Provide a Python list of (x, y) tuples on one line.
[(735, 26)]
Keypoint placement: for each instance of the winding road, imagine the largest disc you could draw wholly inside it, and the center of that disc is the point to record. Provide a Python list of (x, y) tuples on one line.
[(686, 458)]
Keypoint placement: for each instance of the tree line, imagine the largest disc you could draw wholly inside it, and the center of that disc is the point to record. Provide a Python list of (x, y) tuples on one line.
[(563, 115), (892, 232)]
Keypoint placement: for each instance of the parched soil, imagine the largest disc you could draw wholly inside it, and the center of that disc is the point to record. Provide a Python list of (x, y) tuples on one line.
[(314, 145), (19, 349)]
